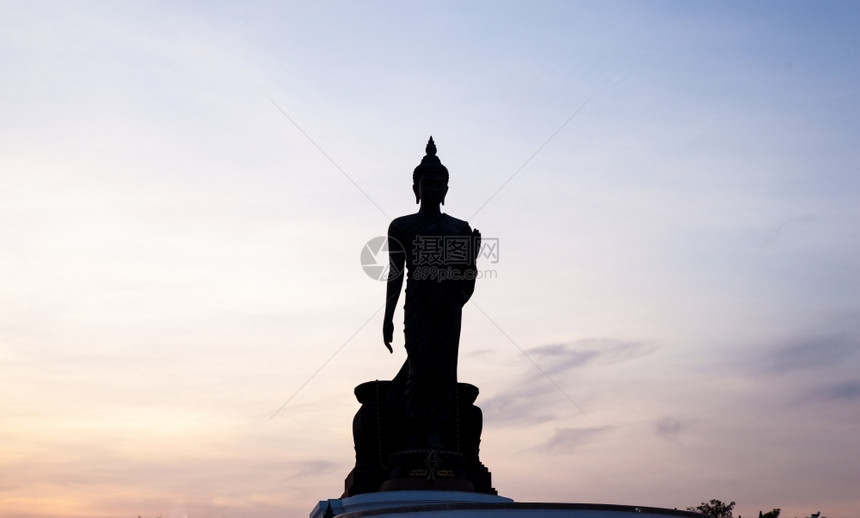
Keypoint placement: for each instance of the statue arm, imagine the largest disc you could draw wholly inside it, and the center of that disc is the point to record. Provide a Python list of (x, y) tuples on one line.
[(396, 271), (468, 285), (395, 283)]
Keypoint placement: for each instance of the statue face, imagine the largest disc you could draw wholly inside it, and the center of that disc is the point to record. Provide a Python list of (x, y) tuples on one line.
[(432, 188)]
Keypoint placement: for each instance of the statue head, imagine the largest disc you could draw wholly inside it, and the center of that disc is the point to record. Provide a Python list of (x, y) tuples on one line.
[(432, 171)]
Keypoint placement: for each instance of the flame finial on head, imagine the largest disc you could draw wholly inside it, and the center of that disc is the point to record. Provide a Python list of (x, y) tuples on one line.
[(429, 164), (431, 147)]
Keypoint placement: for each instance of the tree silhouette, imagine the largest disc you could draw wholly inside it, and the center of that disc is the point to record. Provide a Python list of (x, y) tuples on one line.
[(716, 509)]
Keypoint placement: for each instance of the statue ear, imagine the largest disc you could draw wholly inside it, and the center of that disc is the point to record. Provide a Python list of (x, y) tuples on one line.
[(444, 194), (415, 190)]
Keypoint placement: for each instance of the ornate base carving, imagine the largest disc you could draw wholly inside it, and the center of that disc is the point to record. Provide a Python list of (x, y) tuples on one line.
[(385, 462), (427, 469)]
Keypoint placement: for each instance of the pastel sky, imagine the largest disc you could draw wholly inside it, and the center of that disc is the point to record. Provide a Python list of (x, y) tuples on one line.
[(186, 187)]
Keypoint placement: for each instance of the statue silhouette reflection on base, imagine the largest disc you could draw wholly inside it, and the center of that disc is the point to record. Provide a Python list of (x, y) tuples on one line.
[(421, 429)]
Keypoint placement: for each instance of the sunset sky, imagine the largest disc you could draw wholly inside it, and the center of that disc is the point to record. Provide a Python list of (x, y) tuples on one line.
[(186, 188)]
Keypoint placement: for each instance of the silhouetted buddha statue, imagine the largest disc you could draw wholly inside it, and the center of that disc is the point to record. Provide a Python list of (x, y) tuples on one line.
[(438, 252)]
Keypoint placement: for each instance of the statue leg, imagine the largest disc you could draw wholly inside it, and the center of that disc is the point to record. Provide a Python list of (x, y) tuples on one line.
[(432, 342)]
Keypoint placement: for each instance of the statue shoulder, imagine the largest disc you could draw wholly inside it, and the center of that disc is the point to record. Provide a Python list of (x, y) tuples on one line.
[(458, 224), (401, 223), (405, 220)]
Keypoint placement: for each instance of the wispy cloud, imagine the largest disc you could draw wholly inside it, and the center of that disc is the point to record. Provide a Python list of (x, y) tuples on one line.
[(816, 368), (524, 404), (310, 468), (669, 427), (558, 358), (784, 227), (568, 440), (843, 390), (529, 400), (811, 353)]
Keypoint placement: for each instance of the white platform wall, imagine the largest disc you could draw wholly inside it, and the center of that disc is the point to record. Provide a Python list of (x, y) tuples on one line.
[(449, 504)]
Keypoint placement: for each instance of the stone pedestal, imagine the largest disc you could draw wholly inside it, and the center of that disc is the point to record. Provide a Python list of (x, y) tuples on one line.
[(384, 461)]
